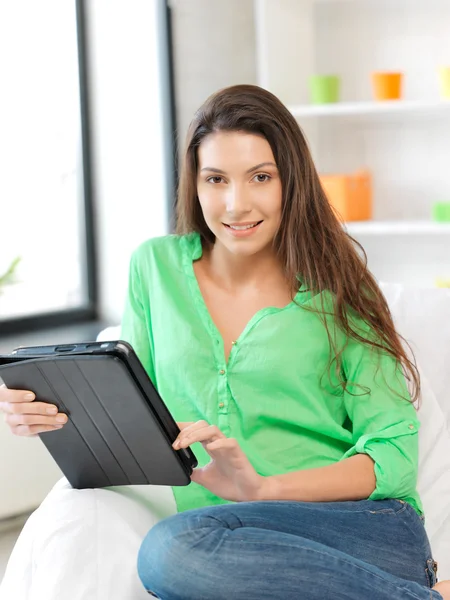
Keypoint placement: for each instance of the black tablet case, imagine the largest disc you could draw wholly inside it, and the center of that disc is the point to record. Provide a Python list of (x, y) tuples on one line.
[(112, 436)]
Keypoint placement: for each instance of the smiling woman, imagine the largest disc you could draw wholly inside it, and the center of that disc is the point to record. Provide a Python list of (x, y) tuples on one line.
[(275, 351), (291, 374)]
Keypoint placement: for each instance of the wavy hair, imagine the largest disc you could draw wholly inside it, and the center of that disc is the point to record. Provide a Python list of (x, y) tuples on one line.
[(311, 243)]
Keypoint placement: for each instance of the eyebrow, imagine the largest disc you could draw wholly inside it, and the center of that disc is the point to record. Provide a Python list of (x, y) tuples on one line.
[(255, 168)]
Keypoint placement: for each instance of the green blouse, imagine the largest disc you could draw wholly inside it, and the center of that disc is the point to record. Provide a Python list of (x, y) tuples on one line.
[(275, 395)]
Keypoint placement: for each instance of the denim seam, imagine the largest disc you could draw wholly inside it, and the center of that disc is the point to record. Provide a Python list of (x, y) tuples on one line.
[(362, 511), (427, 575), (430, 573), (399, 512), (390, 510)]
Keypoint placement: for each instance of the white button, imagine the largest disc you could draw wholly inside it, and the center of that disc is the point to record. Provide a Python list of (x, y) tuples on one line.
[(222, 372)]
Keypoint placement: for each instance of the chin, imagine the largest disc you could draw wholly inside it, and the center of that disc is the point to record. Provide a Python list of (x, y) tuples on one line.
[(245, 250), (244, 247)]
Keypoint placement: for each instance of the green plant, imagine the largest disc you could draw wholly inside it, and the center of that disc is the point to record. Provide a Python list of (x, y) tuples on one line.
[(8, 277)]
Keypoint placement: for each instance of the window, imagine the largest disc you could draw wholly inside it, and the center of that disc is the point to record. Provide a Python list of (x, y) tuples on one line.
[(44, 183)]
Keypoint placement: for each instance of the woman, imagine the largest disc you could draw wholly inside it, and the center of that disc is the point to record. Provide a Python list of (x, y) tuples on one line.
[(275, 350)]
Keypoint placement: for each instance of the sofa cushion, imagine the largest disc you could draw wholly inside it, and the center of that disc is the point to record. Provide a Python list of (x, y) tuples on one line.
[(422, 316), (434, 476)]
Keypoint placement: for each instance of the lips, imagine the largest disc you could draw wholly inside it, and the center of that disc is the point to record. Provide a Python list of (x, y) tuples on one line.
[(242, 226)]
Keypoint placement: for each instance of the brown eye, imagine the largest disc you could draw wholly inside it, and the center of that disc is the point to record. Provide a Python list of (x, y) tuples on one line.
[(262, 177), (215, 179)]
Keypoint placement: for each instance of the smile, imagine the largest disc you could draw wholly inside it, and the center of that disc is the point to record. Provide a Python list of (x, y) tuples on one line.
[(243, 227), (243, 230)]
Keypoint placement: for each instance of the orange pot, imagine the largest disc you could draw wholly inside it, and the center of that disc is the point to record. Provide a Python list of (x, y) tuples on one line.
[(349, 195), (387, 86)]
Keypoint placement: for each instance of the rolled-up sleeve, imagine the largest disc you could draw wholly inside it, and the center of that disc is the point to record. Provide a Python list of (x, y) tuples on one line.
[(384, 421)]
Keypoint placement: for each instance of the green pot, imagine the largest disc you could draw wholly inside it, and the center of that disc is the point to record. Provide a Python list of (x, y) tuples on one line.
[(441, 211), (324, 89)]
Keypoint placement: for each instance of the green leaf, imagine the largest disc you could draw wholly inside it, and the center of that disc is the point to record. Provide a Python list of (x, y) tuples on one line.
[(8, 277)]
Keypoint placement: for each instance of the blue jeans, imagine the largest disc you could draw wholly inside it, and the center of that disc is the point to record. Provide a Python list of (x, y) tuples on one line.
[(375, 550)]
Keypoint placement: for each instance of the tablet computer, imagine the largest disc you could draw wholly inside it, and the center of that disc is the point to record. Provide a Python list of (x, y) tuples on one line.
[(119, 431)]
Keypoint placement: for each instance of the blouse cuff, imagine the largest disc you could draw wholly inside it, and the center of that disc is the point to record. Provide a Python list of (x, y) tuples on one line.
[(394, 456)]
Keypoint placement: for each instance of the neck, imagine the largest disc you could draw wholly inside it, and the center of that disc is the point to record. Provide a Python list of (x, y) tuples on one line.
[(243, 271)]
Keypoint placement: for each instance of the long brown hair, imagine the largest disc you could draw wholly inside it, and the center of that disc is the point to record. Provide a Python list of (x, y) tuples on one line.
[(311, 242)]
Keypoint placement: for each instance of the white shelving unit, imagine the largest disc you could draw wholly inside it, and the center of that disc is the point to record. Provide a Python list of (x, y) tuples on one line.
[(405, 143), (387, 228), (432, 108)]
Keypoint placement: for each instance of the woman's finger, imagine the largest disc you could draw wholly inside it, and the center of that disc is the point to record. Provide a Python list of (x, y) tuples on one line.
[(7, 395), (200, 432), (28, 408), (16, 420), (188, 428), (193, 425), (222, 444), (183, 424), (31, 430)]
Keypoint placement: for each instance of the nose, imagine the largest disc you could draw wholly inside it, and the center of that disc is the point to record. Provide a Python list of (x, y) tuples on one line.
[(237, 201)]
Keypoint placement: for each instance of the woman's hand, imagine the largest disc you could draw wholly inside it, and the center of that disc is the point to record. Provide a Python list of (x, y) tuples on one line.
[(26, 417), (229, 474)]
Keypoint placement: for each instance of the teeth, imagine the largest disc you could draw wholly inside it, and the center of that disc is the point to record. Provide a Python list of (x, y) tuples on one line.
[(242, 227)]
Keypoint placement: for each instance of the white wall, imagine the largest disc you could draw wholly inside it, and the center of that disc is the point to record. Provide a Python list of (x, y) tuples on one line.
[(214, 46), (129, 120)]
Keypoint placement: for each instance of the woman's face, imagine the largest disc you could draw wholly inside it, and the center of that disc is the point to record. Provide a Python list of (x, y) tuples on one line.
[(239, 190)]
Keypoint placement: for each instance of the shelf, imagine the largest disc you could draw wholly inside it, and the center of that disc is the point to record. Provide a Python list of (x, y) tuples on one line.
[(383, 3), (370, 108), (357, 228)]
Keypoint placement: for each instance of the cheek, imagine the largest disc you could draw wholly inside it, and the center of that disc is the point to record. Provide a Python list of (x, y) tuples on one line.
[(210, 204), (269, 201)]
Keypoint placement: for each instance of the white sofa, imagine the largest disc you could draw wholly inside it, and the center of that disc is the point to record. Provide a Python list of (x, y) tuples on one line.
[(82, 545)]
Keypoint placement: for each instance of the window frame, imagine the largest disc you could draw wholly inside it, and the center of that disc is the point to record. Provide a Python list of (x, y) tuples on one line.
[(89, 312)]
